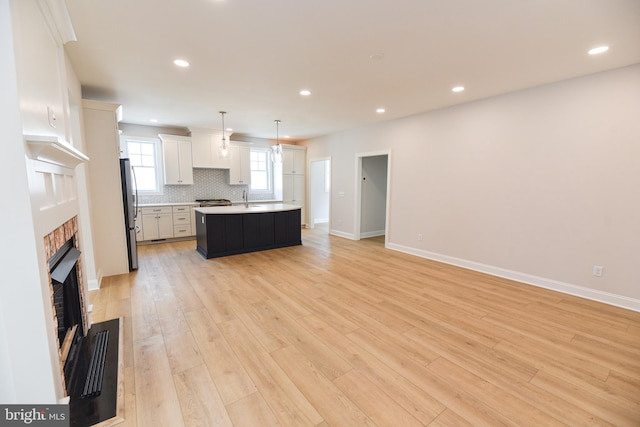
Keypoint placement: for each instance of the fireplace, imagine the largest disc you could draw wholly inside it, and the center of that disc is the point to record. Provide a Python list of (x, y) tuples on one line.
[(63, 270), (67, 294), (89, 354)]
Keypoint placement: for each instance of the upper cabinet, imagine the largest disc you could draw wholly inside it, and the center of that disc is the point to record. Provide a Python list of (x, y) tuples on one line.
[(240, 170), (178, 167), (205, 145), (293, 160)]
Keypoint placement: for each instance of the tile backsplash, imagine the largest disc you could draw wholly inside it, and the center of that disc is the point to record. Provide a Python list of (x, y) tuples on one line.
[(207, 184)]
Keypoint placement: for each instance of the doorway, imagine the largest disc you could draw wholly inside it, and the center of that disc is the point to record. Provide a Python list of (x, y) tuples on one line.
[(372, 194), (320, 193)]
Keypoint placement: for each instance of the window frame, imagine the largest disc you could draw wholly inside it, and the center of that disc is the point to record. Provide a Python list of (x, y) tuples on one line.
[(268, 171), (158, 167)]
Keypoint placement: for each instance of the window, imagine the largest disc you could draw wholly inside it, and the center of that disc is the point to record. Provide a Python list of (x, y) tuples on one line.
[(260, 171), (145, 161)]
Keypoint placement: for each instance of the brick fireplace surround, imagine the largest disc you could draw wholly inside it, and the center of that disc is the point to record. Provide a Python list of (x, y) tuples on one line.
[(52, 243)]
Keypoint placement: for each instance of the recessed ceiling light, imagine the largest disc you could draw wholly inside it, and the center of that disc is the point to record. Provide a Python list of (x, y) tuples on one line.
[(229, 130), (287, 136), (181, 63), (599, 49), (153, 120), (458, 89), (305, 92), (380, 110)]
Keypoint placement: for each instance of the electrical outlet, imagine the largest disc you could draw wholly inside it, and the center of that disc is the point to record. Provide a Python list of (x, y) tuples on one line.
[(419, 237), (598, 270)]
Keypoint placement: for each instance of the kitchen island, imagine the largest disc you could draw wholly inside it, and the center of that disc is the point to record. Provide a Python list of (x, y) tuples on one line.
[(231, 230)]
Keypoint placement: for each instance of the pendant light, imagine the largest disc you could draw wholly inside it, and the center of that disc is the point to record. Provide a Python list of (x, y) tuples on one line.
[(223, 149), (276, 150)]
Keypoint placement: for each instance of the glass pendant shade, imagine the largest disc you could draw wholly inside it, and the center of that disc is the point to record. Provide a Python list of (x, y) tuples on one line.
[(276, 153), (223, 148), (276, 150)]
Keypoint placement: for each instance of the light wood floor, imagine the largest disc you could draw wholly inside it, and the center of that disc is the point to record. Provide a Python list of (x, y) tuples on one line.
[(344, 333)]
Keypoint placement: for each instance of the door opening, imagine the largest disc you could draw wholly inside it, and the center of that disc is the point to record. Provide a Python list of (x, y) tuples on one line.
[(372, 194)]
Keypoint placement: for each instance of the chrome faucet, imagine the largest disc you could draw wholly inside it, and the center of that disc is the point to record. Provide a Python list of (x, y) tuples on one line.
[(245, 197)]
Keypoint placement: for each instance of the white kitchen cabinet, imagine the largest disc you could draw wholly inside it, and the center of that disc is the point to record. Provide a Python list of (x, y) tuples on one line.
[(240, 168), (293, 160), (182, 226), (204, 150), (157, 222), (166, 222), (293, 192), (178, 165)]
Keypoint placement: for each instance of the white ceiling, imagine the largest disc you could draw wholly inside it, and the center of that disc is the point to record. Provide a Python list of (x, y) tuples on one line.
[(252, 57)]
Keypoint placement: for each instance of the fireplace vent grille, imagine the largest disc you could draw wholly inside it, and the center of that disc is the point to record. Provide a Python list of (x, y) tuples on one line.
[(93, 383)]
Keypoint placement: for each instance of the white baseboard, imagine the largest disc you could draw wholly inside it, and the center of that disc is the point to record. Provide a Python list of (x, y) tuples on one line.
[(342, 234), (367, 234), (93, 284), (566, 288)]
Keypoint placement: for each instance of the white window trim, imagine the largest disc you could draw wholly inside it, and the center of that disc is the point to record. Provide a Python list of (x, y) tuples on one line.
[(269, 189), (124, 148)]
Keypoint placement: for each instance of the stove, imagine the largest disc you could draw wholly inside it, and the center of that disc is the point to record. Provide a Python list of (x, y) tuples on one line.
[(213, 202)]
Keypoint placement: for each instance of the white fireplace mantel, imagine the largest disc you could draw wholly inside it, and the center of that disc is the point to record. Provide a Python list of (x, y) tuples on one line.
[(52, 149)]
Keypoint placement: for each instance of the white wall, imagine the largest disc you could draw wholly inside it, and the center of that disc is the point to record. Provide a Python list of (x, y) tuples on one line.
[(107, 211), (32, 78), (538, 185)]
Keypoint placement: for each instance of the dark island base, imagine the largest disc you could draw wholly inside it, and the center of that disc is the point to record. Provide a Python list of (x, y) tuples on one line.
[(221, 235)]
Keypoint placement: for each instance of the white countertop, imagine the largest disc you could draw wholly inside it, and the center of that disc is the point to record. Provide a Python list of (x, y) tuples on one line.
[(146, 205), (271, 207)]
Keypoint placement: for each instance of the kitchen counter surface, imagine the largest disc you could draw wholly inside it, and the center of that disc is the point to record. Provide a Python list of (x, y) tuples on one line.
[(253, 208), (146, 205)]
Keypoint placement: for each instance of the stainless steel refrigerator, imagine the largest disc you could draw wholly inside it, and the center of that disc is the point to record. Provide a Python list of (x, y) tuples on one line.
[(130, 204)]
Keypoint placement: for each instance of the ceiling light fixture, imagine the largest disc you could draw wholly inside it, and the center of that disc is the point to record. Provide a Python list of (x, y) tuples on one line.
[(223, 150), (457, 89), (305, 92), (380, 110), (153, 120), (181, 63), (276, 150), (597, 50)]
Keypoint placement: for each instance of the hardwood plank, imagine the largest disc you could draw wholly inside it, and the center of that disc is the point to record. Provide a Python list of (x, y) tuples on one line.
[(225, 369), (599, 406), (156, 396), (289, 406), (414, 400), (200, 401), (378, 406), (336, 408), (252, 411), (516, 410)]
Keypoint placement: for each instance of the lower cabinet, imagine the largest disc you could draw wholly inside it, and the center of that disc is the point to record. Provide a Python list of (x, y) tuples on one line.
[(229, 234), (165, 222), (258, 230), (157, 226)]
